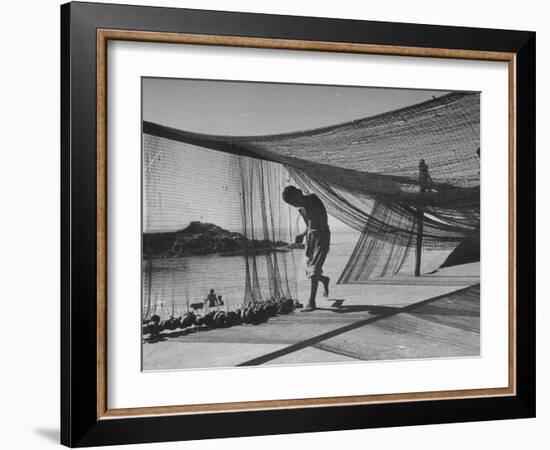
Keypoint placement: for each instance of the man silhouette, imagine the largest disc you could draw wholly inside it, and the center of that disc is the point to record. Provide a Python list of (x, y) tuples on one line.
[(424, 177), (317, 236)]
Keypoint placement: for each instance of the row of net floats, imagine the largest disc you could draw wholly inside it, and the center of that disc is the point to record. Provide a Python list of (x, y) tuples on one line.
[(255, 313)]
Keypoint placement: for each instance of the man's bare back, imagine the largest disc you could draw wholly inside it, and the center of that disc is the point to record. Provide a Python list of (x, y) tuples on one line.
[(314, 213)]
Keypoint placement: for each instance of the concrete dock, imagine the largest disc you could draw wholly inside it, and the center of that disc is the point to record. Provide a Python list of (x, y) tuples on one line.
[(426, 317)]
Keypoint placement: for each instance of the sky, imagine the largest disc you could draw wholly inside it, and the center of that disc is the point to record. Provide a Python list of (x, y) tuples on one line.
[(248, 108), (252, 108)]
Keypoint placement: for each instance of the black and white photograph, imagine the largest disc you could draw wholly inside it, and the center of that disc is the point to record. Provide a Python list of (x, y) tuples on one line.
[(288, 224), (275, 225)]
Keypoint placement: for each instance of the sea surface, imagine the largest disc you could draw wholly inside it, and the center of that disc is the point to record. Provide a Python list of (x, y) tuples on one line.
[(177, 282), (170, 285)]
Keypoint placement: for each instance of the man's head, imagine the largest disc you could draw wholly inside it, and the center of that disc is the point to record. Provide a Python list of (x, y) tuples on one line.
[(293, 196), (211, 291)]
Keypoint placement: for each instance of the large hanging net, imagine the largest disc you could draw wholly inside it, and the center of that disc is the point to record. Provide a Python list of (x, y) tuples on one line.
[(365, 171), (187, 190)]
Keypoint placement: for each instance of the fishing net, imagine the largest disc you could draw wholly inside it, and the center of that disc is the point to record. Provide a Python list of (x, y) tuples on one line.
[(263, 216), (365, 171), (196, 192)]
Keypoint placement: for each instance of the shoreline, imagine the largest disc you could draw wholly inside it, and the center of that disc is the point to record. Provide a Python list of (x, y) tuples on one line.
[(376, 322)]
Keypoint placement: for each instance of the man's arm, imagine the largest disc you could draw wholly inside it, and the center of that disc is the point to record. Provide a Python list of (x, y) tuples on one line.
[(300, 237)]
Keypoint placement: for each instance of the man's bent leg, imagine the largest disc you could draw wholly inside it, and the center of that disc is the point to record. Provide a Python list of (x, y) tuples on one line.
[(325, 281)]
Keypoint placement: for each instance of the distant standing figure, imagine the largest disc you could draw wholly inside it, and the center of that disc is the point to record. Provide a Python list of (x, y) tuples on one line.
[(424, 178), (317, 237), (211, 299)]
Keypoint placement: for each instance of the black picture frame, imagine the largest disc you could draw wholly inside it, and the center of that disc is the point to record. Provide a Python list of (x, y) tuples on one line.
[(80, 425)]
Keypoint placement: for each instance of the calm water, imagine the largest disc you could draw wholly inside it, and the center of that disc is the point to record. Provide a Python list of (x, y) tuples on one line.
[(175, 282)]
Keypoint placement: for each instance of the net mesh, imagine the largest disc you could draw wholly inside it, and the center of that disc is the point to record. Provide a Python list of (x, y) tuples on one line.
[(183, 184), (366, 172)]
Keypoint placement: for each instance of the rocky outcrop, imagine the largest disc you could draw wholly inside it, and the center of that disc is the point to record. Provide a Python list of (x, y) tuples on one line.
[(203, 239)]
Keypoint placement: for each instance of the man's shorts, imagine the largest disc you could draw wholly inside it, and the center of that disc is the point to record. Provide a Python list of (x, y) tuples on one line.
[(317, 247)]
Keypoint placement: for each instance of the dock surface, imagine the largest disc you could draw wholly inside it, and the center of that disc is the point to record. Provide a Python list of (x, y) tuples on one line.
[(427, 317)]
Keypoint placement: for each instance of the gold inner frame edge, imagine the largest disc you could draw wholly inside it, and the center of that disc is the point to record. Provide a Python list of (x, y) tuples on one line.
[(104, 35)]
